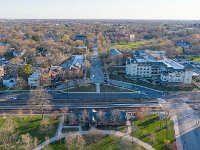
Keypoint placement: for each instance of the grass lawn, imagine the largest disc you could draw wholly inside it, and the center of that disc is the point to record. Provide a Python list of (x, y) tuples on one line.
[(88, 88), (195, 58), (143, 129), (3, 88), (129, 46), (121, 77), (105, 143), (31, 125), (109, 88), (115, 128)]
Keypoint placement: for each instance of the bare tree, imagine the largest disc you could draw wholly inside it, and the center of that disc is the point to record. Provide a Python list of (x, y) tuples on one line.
[(84, 116), (9, 137), (116, 116), (40, 99), (75, 142), (72, 119), (27, 142), (101, 116), (46, 126)]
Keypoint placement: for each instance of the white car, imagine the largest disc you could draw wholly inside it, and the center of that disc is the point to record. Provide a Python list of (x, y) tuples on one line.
[(13, 98)]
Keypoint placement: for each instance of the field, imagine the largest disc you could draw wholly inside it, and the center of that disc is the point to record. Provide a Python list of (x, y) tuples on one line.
[(105, 143), (109, 88), (151, 127), (88, 88), (195, 58), (31, 125)]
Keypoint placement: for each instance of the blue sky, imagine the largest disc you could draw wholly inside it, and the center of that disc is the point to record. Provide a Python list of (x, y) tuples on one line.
[(101, 9)]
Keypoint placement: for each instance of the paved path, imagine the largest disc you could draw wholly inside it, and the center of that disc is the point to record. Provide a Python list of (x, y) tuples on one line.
[(103, 132), (98, 89), (187, 132), (126, 135)]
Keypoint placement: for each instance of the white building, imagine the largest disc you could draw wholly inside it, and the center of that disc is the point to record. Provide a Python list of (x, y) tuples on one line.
[(9, 82), (154, 65), (34, 80)]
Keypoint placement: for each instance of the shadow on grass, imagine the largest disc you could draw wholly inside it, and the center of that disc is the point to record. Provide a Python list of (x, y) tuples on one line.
[(149, 121)]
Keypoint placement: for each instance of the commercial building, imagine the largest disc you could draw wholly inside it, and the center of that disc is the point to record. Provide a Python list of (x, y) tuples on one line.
[(154, 65)]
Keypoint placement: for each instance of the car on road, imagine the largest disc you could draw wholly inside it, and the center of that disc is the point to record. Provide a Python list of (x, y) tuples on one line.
[(12, 98)]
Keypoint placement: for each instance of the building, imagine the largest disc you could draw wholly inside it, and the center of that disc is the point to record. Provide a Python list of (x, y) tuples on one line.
[(78, 62), (80, 37), (154, 65), (114, 52), (9, 81), (34, 80)]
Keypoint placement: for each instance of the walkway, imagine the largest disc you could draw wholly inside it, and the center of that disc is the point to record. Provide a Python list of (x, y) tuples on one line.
[(59, 135)]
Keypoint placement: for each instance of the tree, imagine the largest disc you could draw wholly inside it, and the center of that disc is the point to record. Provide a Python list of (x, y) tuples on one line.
[(72, 119), (2, 50), (101, 116), (40, 99), (25, 71), (46, 126), (21, 84), (84, 116), (8, 135), (75, 142), (27, 142), (116, 116)]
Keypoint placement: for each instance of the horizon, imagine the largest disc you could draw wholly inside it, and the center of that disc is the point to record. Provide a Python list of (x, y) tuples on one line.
[(110, 9)]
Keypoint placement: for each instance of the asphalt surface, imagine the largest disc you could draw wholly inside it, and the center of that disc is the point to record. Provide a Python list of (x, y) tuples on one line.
[(189, 130), (96, 74)]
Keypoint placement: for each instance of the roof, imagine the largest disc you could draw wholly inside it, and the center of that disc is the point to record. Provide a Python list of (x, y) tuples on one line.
[(115, 52), (189, 66), (35, 75), (78, 60)]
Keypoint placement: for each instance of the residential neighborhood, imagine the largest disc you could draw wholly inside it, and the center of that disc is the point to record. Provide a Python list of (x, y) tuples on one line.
[(99, 75)]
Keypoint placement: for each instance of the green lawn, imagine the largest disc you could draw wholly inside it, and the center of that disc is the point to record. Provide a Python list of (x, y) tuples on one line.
[(105, 143), (143, 129), (115, 128), (109, 88), (195, 58), (129, 46), (3, 88), (121, 77), (31, 125), (88, 88)]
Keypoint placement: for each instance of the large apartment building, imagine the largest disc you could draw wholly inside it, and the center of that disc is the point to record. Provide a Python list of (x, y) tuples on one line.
[(154, 65)]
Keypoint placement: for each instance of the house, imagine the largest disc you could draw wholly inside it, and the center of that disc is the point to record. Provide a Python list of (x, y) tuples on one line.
[(91, 118), (18, 53), (34, 80), (77, 63), (80, 37), (154, 65), (114, 52), (9, 81)]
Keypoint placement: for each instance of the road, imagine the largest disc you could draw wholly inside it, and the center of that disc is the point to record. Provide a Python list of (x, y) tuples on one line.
[(96, 74), (189, 132)]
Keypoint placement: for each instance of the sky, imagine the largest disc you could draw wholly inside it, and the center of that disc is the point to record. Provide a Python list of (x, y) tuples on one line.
[(100, 9)]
